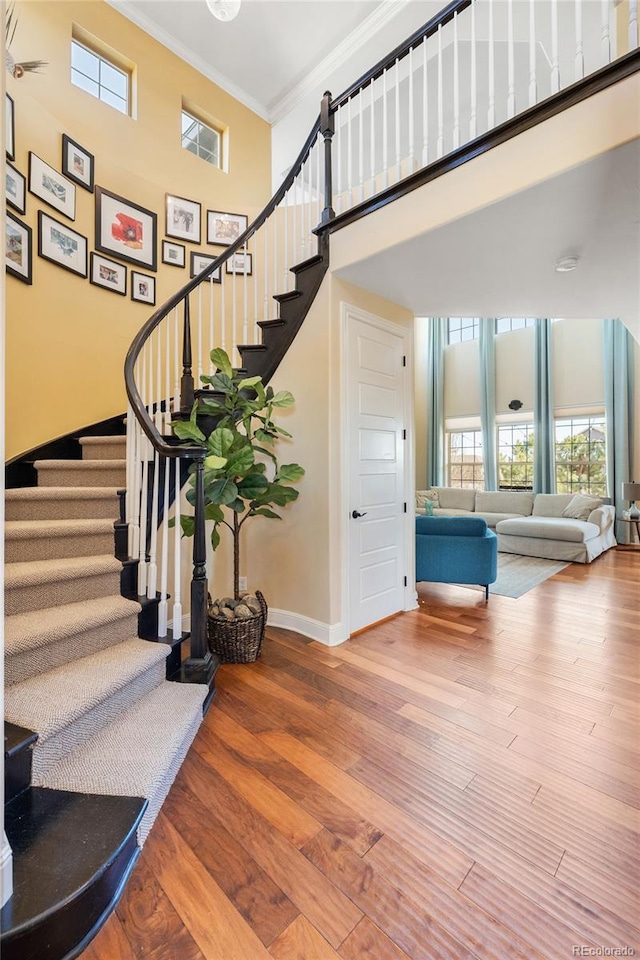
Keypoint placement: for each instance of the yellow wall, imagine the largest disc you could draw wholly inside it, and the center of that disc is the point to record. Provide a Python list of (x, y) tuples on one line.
[(67, 339)]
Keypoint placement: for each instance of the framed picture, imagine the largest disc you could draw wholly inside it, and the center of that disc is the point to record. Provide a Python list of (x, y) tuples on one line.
[(183, 219), (200, 262), (224, 228), (108, 274), (175, 254), (77, 163), (143, 288), (240, 263), (15, 190), (17, 249), (52, 187), (10, 128), (126, 230), (62, 245)]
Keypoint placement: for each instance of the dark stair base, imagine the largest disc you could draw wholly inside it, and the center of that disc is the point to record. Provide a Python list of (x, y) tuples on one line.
[(72, 854), (18, 748)]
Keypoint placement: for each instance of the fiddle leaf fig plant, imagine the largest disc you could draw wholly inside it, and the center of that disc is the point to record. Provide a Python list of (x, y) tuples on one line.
[(242, 476)]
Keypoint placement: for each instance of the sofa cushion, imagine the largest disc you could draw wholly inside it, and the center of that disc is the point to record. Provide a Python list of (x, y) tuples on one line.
[(452, 512), (422, 496), (457, 498), (550, 504), (451, 526), (549, 528), (494, 518), (580, 506), (518, 502)]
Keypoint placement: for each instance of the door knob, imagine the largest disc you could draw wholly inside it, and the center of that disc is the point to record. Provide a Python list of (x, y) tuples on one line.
[(355, 514)]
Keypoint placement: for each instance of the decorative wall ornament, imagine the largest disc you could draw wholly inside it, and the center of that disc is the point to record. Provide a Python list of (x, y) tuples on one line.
[(62, 245), (15, 188), (175, 254), (241, 263), (200, 262), (10, 128), (126, 230), (51, 187), (143, 288), (17, 250), (183, 219), (77, 163), (108, 274), (224, 228)]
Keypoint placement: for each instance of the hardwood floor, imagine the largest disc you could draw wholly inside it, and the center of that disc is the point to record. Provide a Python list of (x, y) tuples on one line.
[(458, 782)]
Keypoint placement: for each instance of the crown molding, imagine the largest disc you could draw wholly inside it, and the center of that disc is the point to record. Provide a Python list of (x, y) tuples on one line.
[(314, 80), (168, 41)]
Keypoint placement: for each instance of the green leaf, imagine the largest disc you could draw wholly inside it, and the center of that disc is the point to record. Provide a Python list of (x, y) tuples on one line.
[(290, 472), (215, 538), (220, 441), (265, 512), (266, 452), (222, 383), (248, 382), (281, 432), (212, 407), (283, 399), (222, 491), (254, 485), (215, 463), (186, 430), (188, 525), (238, 505), (213, 512), (239, 463), (220, 359), (280, 495)]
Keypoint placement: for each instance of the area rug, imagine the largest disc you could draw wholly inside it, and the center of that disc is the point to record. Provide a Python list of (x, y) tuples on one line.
[(517, 575)]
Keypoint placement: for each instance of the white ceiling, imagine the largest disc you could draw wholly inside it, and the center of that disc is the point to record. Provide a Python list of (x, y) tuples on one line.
[(499, 261)]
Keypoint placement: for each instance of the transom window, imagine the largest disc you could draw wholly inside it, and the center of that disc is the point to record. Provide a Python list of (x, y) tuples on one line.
[(507, 324), (98, 76), (465, 460), (580, 452), (515, 456), (201, 139), (462, 328)]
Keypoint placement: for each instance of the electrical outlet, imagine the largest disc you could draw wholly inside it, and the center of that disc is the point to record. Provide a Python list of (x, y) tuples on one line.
[(242, 583)]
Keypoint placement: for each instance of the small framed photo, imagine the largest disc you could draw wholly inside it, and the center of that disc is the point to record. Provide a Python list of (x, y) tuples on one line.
[(126, 230), (224, 228), (10, 128), (143, 288), (62, 245), (108, 274), (15, 190), (175, 254), (18, 249), (240, 263), (52, 187), (183, 219), (200, 262), (77, 163)]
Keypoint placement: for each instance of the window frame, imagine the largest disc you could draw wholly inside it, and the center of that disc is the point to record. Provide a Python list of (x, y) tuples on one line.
[(464, 324), (103, 58), (527, 463), (526, 322), (589, 421), (476, 465), (217, 164)]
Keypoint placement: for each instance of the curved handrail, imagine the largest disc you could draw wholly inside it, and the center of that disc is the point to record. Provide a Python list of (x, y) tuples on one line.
[(140, 412)]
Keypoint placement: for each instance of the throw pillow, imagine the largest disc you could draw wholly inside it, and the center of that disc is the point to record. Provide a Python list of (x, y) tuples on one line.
[(426, 496), (428, 508), (580, 506)]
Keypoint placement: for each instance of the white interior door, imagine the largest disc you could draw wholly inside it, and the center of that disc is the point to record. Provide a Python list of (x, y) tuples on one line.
[(376, 384)]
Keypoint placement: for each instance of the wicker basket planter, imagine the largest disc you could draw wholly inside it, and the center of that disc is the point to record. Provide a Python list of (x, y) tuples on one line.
[(240, 640)]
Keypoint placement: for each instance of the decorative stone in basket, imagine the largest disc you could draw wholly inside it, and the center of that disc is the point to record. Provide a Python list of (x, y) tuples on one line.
[(236, 627)]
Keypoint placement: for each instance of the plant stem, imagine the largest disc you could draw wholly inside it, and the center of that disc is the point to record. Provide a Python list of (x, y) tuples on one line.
[(236, 556)]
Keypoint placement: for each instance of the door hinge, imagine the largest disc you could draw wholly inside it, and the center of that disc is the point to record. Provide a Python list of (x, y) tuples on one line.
[(405, 581), (405, 507), (404, 361), (404, 434)]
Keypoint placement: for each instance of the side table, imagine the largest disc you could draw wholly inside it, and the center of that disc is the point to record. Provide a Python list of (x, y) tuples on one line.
[(634, 524)]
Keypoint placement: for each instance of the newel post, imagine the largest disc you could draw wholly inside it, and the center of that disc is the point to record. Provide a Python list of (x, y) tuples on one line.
[(200, 655), (186, 383), (327, 127)]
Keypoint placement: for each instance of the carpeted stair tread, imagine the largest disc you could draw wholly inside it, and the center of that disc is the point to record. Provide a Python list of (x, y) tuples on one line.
[(37, 584), (47, 540), (103, 448), (138, 754), (52, 700), (72, 473), (59, 503), (42, 627), (34, 529)]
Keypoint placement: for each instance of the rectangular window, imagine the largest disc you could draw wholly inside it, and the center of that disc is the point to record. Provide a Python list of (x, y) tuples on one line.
[(507, 324), (100, 77), (580, 452), (462, 328), (465, 462), (515, 456), (201, 139)]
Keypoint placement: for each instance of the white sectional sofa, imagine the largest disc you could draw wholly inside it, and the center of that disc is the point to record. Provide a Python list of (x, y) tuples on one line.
[(557, 526)]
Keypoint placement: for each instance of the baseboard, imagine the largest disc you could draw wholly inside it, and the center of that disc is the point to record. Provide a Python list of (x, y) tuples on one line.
[(6, 871), (329, 634)]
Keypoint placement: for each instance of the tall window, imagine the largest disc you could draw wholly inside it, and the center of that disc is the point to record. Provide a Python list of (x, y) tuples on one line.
[(580, 451), (515, 456), (463, 328), (201, 139), (507, 324), (100, 77), (465, 464)]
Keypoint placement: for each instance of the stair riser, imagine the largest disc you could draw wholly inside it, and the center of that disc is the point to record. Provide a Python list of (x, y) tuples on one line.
[(58, 548), (105, 451), (62, 509), (49, 751), (39, 597), (61, 477), (28, 663)]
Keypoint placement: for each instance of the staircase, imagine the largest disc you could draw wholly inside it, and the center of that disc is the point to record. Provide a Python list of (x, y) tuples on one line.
[(95, 733)]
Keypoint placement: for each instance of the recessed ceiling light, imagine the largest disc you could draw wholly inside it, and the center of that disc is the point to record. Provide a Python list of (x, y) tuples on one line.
[(566, 264)]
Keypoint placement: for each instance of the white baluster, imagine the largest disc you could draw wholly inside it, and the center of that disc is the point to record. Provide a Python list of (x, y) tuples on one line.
[(266, 266), (274, 217), (286, 258), (144, 505), (350, 153), (372, 150), (511, 83), (254, 280), (385, 133), (555, 61), (473, 115), (234, 328), (163, 606), (245, 280), (176, 361), (211, 325), (134, 539), (579, 64), (176, 629), (425, 107), (491, 112), (533, 76), (456, 84), (440, 144), (339, 174), (294, 189), (200, 341), (605, 37), (131, 465), (361, 146), (152, 579), (633, 24), (397, 113), (412, 149), (318, 182), (224, 313)]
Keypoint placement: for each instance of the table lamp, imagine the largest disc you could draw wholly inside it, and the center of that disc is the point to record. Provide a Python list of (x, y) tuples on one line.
[(631, 492)]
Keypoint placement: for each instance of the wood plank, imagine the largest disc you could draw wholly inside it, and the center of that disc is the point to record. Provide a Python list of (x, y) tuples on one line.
[(368, 942), (111, 943), (300, 941), (621, 900)]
